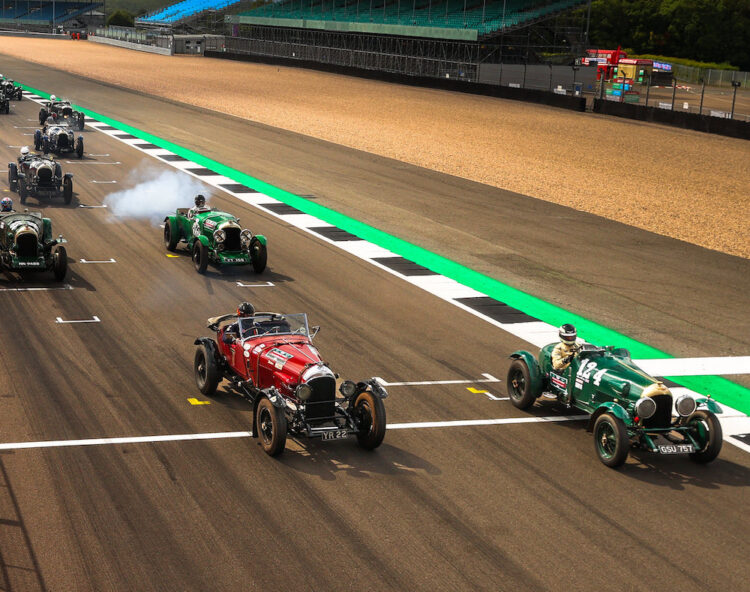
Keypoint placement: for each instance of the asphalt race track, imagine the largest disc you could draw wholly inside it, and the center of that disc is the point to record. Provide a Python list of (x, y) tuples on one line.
[(507, 506)]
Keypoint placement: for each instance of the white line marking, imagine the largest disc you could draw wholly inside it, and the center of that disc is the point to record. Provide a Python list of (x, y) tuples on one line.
[(696, 366), (482, 422), (104, 261), (94, 320), (26, 126), (103, 182), (487, 378), (85, 162), (263, 285), (126, 440), (99, 155), (41, 289), (91, 207)]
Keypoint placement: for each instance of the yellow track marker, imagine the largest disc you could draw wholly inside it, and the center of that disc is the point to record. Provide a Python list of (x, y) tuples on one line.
[(172, 256), (471, 389), (194, 401), (490, 396)]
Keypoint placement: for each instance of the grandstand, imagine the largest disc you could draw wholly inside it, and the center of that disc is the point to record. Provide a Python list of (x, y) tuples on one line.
[(186, 10), (43, 14)]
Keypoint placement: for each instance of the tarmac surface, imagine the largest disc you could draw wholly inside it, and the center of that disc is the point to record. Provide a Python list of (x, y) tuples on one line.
[(504, 507)]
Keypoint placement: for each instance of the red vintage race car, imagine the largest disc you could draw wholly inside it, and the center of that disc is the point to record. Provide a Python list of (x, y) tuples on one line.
[(269, 359)]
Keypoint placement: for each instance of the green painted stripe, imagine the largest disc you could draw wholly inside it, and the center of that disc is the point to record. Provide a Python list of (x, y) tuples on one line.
[(721, 389)]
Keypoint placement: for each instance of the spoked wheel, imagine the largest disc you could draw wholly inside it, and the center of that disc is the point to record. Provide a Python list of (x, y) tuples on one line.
[(519, 385), (67, 190), (706, 430), (170, 237), (611, 440), (200, 257), (79, 147), (59, 262), (372, 421), (207, 375), (258, 255), (271, 425)]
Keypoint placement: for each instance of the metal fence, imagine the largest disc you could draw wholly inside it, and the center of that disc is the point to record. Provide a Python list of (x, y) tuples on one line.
[(133, 35), (722, 78)]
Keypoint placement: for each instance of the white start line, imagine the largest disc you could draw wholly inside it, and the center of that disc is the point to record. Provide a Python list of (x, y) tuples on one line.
[(104, 261), (60, 321)]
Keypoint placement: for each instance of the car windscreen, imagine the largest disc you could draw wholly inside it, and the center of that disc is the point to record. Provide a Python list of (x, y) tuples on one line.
[(277, 324)]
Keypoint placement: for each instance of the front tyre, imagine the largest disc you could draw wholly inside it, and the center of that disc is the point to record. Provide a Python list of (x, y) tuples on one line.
[(42, 116), (79, 147), (271, 425), (67, 190), (258, 255), (611, 440), (519, 385), (59, 262), (171, 238), (707, 434), (207, 374), (23, 191), (371, 413), (200, 256), (13, 176)]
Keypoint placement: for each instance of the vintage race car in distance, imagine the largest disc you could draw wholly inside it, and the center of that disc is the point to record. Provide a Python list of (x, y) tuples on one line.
[(61, 110), (10, 89), (269, 358), (4, 102), (216, 237), (39, 176), (628, 408), (58, 138), (26, 244)]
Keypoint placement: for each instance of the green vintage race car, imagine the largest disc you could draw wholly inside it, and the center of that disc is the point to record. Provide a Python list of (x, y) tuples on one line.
[(216, 237), (628, 408), (27, 244)]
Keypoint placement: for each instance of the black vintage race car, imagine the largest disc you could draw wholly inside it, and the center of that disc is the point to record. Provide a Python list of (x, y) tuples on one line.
[(27, 244), (61, 110), (4, 102), (58, 138), (40, 176), (8, 86)]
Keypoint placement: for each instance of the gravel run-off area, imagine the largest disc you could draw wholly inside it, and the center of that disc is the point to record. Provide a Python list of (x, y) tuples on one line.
[(688, 185)]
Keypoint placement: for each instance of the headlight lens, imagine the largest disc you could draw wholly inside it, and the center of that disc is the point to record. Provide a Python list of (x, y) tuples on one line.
[(245, 237), (304, 392), (645, 407), (685, 405), (348, 388), (220, 236)]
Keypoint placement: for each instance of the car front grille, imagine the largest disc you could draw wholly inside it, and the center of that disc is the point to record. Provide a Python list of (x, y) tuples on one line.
[(26, 244), (44, 176), (62, 141), (232, 242), (320, 406), (663, 416)]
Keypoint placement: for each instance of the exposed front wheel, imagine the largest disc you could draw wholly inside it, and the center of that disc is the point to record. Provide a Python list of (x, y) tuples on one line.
[(79, 147), (23, 192), (371, 414), (67, 190), (200, 257), (13, 176), (207, 374), (258, 254), (707, 433), (81, 120), (59, 262), (37, 140), (519, 385), (171, 238), (271, 425), (611, 440), (42, 116)]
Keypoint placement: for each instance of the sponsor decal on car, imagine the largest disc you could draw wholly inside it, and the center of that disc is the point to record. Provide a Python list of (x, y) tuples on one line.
[(278, 357), (29, 263), (584, 374), (233, 260), (209, 224), (559, 381)]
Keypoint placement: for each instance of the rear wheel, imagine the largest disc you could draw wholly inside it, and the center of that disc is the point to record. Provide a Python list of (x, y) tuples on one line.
[(45, 145), (79, 147), (67, 190), (708, 435), (23, 192), (611, 440), (271, 425), (13, 176), (171, 238), (42, 116), (371, 413), (59, 262), (200, 256), (207, 375), (37, 140), (519, 385), (81, 120), (258, 254)]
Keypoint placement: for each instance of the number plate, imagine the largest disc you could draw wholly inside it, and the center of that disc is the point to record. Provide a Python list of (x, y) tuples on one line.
[(334, 435), (676, 448)]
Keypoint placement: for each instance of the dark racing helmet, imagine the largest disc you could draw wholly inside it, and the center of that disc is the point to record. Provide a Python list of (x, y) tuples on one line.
[(6, 204), (568, 334), (200, 201), (245, 309)]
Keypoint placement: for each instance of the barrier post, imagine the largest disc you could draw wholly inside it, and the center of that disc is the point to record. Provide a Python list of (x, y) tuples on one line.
[(703, 90), (674, 92), (735, 84), (648, 88)]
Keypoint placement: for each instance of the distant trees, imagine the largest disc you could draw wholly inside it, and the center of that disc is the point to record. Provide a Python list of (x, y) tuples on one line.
[(704, 30), (120, 18)]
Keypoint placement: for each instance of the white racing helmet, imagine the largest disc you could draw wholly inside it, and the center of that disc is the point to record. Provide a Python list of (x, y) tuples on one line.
[(24, 151)]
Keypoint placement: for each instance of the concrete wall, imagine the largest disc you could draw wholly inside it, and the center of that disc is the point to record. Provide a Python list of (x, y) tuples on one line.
[(136, 46)]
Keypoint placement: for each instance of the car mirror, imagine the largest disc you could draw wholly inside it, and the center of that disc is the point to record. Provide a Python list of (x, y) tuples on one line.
[(314, 331)]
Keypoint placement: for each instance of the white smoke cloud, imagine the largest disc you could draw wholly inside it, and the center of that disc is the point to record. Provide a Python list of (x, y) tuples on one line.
[(155, 194)]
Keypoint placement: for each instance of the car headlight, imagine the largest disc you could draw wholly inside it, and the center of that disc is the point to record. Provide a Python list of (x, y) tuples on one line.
[(348, 388), (685, 405), (645, 407), (245, 237), (304, 392), (220, 236)]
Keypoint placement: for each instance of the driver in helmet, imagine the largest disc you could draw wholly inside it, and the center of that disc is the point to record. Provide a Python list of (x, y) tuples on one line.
[(567, 349), (25, 155), (6, 204), (244, 311), (200, 206)]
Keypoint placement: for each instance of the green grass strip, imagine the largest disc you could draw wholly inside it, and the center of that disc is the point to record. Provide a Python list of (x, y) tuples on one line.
[(721, 389)]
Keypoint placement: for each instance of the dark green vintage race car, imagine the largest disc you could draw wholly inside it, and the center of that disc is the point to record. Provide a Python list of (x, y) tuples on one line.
[(628, 407), (216, 237), (26, 244)]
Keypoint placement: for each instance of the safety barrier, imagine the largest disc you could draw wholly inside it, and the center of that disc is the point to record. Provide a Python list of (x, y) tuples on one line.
[(131, 45)]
